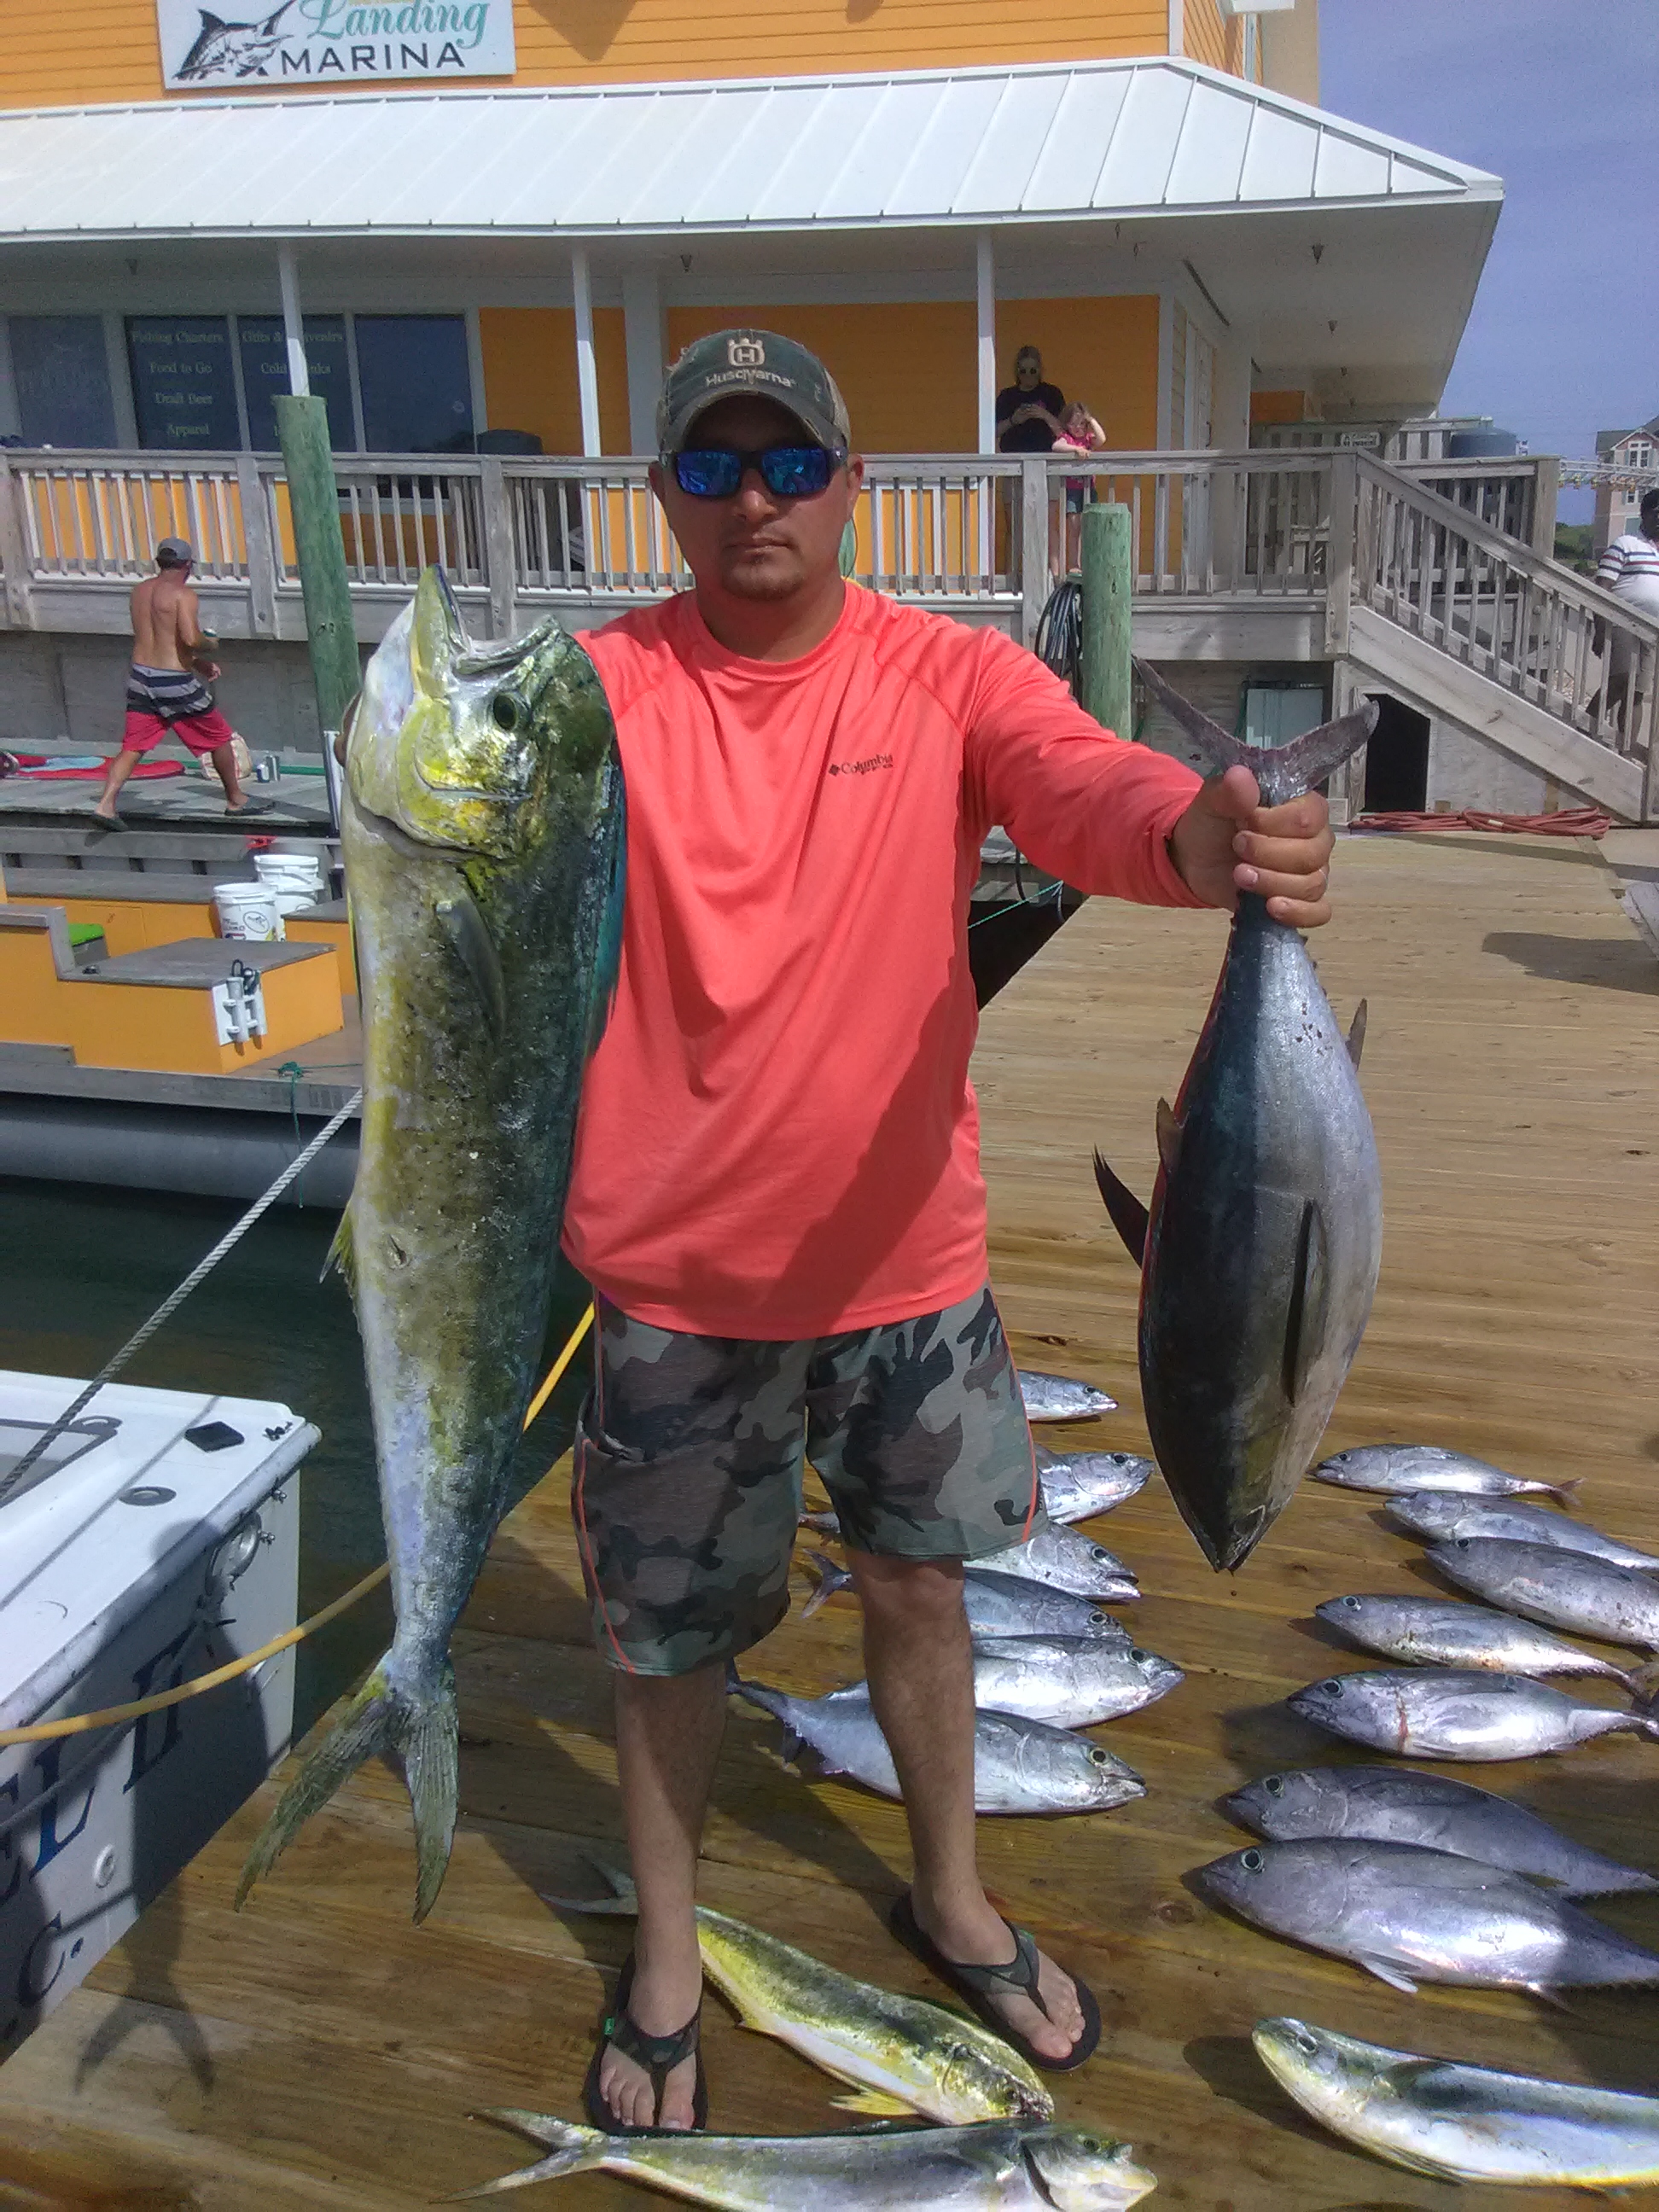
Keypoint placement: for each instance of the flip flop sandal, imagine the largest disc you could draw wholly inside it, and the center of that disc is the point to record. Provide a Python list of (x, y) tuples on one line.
[(975, 1985), (658, 2054)]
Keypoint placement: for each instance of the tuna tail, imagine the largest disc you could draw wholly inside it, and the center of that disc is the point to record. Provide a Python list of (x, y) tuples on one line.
[(1129, 1216), (775, 1702), (1567, 1492), (624, 1904), (827, 1579), (1282, 771), (379, 1718), (572, 2150), (1642, 1683)]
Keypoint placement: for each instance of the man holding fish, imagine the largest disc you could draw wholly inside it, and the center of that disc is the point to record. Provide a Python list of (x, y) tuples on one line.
[(776, 1194)]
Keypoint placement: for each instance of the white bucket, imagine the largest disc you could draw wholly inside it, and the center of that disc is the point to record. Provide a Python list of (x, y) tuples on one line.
[(290, 872), (287, 903), (248, 911)]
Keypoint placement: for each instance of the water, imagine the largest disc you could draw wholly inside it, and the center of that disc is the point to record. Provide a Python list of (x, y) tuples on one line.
[(82, 1266)]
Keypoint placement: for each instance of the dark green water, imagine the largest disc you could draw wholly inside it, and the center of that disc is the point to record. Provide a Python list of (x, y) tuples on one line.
[(82, 1266)]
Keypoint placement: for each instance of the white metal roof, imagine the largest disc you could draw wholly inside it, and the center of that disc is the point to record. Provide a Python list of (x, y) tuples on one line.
[(914, 150)]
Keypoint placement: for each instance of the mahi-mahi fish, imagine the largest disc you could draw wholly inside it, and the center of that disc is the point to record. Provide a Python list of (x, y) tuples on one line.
[(483, 825), (1458, 2123), (1259, 1252), (993, 2167), (899, 2054)]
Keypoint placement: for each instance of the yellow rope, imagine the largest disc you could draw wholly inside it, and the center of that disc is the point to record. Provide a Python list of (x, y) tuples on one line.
[(83, 1723)]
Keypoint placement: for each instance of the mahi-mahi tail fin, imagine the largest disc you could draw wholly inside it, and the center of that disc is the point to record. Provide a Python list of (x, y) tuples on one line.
[(1282, 771), (379, 1718), (572, 2150), (343, 1253), (1126, 1213), (623, 1902)]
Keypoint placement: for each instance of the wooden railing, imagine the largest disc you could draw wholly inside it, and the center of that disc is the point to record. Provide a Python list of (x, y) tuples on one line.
[(1532, 626)]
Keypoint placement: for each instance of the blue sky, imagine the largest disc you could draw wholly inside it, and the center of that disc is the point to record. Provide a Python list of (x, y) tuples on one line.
[(1560, 98)]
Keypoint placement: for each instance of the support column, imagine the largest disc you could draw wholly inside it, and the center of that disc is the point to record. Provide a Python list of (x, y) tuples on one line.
[(1230, 409), (294, 329), (1108, 608), (11, 421), (643, 331), (587, 380), (120, 380), (986, 292)]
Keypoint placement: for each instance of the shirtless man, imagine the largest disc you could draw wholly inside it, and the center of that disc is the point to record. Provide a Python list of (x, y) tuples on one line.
[(165, 686)]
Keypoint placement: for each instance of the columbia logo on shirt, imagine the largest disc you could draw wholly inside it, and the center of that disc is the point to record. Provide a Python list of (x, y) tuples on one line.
[(861, 768)]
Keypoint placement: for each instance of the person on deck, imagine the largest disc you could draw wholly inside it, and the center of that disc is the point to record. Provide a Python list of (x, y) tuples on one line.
[(166, 689), (776, 1194), (1029, 414), (1630, 570)]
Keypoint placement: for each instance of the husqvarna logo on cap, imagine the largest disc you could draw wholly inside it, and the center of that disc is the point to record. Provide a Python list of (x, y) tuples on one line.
[(745, 353), (764, 363)]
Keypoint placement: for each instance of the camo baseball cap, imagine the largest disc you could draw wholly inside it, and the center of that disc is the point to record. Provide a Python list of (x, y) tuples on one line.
[(758, 362)]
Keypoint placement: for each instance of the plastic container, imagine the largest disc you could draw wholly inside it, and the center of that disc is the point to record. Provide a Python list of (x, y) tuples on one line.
[(288, 903), (248, 911), (291, 875)]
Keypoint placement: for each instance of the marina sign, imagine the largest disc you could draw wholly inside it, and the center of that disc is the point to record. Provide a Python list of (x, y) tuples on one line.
[(333, 42)]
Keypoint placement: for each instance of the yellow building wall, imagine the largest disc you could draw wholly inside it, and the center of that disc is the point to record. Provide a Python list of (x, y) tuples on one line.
[(1104, 352), (905, 372), (111, 53), (1207, 36), (1271, 407), (530, 375)]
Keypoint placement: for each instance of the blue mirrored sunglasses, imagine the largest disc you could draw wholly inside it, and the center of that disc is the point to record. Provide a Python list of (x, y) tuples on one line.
[(787, 471)]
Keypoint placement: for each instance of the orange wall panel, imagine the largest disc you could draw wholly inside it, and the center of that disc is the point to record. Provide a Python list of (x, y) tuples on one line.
[(1206, 36), (905, 372), (1281, 407), (530, 375), (1104, 352), (113, 54)]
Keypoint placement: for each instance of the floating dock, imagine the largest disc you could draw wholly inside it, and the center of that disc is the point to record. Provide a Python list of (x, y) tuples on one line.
[(317, 2051)]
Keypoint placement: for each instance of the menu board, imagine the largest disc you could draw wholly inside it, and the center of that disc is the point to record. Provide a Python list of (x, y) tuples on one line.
[(184, 389), (264, 375)]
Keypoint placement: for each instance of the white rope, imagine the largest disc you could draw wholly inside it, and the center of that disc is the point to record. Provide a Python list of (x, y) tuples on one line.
[(170, 1305)]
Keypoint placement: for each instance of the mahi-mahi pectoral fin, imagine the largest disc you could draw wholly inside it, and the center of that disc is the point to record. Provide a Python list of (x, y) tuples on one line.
[(469, 935), (877, 2103), (343, 1253), (1304, 1318), (1129, 1216), (1356, 1033), (1169, 1136), (437, 636)]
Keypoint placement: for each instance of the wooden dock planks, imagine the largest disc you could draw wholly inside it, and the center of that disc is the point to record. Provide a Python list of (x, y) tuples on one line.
[(318, 2050)]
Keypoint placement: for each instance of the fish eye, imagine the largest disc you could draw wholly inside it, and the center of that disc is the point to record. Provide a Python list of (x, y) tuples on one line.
[(1088, 2143), (1463, 1542), (1334, 1688), (1097, 1553), (1139, 1658), (1274, 1785), (1096, 1619), (509, 711), (1251, 1861), (1304, 2042), (1097, 1757), (1352, 1604)]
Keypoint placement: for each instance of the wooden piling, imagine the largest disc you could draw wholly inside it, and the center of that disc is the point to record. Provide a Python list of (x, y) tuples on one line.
[(315, 504), (1107, 585)]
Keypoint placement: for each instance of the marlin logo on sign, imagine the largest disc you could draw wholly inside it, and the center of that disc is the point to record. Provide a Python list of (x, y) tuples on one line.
[(233, 49), (745, 353)]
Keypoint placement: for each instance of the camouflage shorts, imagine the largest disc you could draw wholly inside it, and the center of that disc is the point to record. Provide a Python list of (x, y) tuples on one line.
[(689, 1453)]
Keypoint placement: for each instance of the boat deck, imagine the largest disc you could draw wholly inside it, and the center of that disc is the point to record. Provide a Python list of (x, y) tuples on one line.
[(318, 2050)]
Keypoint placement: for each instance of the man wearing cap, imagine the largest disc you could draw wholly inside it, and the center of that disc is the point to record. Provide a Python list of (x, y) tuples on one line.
[(165, 686), (777, 1196)]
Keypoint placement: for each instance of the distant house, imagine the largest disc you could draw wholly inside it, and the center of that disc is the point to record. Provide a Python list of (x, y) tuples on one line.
[(1616, 506)]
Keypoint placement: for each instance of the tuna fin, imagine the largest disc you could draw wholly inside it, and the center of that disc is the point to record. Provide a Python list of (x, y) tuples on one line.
[(469, 936), (436, 638), (377, 1718), (1567, 1492), (1304, 1318), (1356, 1033), (1126, 1213), (1283, 772), (624, 1902), (1169, 1136), (1386, 1971), (826, 1580), (343, 1255), (573, 2149), (877, 2103)]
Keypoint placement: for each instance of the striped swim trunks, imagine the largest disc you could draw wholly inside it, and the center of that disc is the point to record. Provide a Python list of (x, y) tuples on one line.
[(161, 700)]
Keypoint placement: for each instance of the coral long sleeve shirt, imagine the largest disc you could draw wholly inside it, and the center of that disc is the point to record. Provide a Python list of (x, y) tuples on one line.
[(778, 1136)]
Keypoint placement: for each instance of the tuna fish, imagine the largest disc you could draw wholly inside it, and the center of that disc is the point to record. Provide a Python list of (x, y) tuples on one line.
[(1064, 1561), (481, 821), (1426, 1632), (997, 1604), (1393, 1469), (1436, 1520), (1259, 1252), (1058, 1398), (1068, 1682), (1019, 1766), (1459, 1713), (1403, 1805), (900, 2055), (1076, 1486), (1562, 1589), (1457, 2122), (1408, 1915), (989, 2168)]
